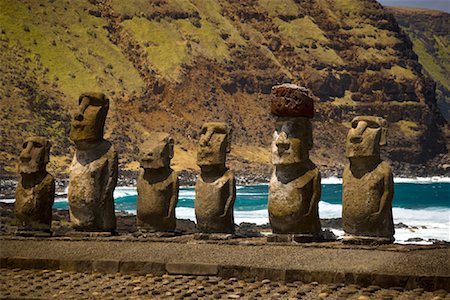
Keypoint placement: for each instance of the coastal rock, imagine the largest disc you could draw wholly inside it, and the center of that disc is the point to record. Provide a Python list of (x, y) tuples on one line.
[(294, 189), (157, 185), (367, 184), (93, 172), (215, 190), (35, 191)]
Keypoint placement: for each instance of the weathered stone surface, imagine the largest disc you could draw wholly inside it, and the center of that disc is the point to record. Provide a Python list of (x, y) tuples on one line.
[(93, 172), (192, 268), (294, 189), (215, 190), (35, 192), (292, 101), (157, 185), (105, 266), (367, 184)]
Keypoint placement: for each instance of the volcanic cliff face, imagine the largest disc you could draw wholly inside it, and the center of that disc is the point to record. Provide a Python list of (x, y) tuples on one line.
[(170, 65), (429, 30)]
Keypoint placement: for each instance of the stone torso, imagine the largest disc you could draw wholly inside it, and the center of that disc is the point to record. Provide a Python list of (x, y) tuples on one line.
[(154, 202), (289, 204), (210, 204), (92, 181), (33, 205), (362, 202)]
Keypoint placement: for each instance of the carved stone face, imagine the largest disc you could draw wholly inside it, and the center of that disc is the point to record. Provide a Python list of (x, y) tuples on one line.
[(366, 136), (157, 151), (89, 120), (292, 141), (214, 144), (35, 155)]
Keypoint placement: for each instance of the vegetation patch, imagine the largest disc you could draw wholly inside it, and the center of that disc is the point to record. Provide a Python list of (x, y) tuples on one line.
[(409, 128), (280, 7)]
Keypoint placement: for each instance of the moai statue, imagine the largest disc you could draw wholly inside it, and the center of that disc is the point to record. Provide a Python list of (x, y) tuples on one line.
[(294, 189), (35, 191), (157, 185), (93, 173), (368, 186), (215, 190)]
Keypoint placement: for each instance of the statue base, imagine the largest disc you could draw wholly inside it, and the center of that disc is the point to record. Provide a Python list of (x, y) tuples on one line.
[(94, 234), (33, 233), (294, 237), (213, 236), (156, 234), (366, 240)]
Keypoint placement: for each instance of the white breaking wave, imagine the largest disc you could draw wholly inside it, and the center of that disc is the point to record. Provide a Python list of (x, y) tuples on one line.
[(124, 191), (422, 180), (331, 180)]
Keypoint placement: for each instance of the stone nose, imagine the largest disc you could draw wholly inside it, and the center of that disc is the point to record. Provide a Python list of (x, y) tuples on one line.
[(79, 116), (204, 141), (282, 143), (25, 155), (149, 156), (25, 158)]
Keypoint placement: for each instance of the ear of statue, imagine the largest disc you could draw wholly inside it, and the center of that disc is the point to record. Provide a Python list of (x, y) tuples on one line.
[(47, 152), (229, 140), (383, 137), (309, 136), (171, 143)]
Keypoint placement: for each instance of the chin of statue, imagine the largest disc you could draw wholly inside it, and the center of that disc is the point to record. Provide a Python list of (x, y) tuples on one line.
[(285, 161), (29, 170), (153, 165), (352, 154), (209, 160), (85, 143)]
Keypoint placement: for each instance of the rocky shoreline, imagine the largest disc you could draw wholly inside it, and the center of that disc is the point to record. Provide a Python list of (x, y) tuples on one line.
[(187, 178), (126, 226)]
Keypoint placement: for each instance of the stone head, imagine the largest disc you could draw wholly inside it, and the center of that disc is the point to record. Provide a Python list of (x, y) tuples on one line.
[(214, 144), (292, 141), (88, 121), (366, 136), (35, 155), (157, 151)]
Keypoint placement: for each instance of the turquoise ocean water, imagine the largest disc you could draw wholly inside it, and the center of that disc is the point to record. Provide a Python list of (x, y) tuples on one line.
[(422, 204)]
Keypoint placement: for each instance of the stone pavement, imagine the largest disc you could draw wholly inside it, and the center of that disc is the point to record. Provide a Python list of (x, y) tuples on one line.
[(403, 266), (48, 284)]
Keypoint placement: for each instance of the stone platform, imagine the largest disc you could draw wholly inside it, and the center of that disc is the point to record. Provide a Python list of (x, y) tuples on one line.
[(403, 266)]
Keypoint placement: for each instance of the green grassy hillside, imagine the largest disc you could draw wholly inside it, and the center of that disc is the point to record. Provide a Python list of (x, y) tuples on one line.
[(170, 65)]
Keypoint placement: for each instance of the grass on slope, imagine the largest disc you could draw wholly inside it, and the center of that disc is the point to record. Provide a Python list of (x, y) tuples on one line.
[(71, 44), (280, 7), (436, 70), (409, 128), (171, 43), (164, 44)]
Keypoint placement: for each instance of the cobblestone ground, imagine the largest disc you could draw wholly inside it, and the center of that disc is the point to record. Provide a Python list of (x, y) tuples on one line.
[(47, 284)]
